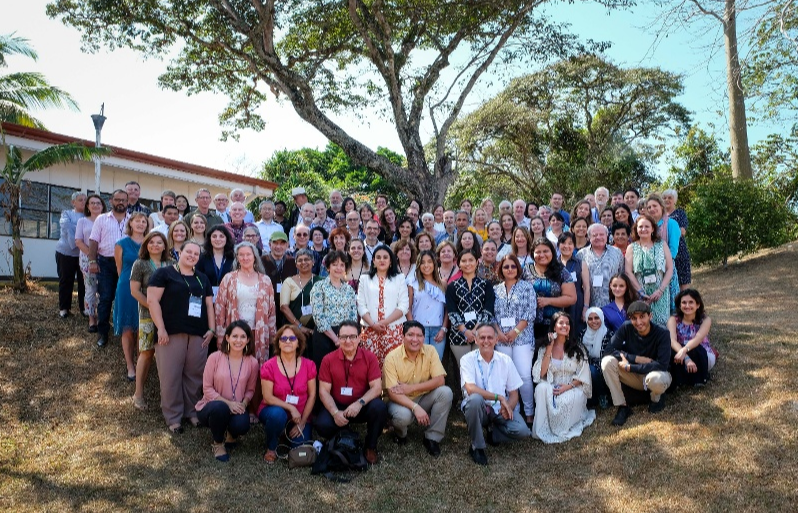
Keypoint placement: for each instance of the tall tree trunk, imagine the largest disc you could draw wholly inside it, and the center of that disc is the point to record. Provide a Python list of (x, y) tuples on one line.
[(737, 118), (20, 281)]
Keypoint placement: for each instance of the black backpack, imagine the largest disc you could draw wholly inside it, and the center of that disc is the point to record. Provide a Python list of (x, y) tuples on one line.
[(342, 453)]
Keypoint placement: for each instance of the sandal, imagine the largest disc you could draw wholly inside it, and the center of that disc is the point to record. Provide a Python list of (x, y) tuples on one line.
[(175, 429), (271, 456), (218, 449), (230, 441), (139, 403), (194, 421)]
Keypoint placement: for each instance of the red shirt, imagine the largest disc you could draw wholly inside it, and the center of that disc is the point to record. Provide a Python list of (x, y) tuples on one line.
[(341, 372)]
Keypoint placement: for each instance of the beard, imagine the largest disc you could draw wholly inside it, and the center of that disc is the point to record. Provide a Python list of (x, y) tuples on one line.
[(120, 208), (336, 207)]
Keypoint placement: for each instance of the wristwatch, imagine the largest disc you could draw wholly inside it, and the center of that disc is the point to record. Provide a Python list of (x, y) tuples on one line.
[(361, 402)]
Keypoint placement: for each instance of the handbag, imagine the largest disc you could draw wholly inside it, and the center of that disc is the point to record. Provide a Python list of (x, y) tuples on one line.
[(302, 456)]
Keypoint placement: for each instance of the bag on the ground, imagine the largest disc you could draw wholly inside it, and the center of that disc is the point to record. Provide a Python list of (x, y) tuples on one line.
[(342, 453), (302, 456)]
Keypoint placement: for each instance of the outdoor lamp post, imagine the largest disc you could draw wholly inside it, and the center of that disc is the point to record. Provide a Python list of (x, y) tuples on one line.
[(98, 120)]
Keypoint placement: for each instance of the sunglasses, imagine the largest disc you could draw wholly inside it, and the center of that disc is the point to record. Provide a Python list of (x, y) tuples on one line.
[(511, 266), (292, 338), (348, 337)]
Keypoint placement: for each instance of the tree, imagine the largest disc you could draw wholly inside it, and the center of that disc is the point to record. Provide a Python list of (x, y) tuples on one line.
[(577, 124), (414, 60)]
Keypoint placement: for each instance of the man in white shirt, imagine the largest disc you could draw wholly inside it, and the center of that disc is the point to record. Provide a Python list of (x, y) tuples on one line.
[(267, 225), (171, 214), (519, 214), (306, 218), (600, 203), (490, 384), (371, 241)]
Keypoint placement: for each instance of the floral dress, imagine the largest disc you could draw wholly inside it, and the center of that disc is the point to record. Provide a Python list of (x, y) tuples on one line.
[(381, 343), (648, 263)]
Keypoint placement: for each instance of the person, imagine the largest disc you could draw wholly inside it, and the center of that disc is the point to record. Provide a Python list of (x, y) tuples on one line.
[(637, 356), (95, 206), (556, 204), (414, 379), (487, 265), (670, 233), (518, 209), (590, 198), (338, 239), (563, 384), (479, 220), (470, 302), (217, 257), (488, 206), (267, 224), (169, 214), (296, 296), (495, 233), (237, 196), (595, 338), (425, 242), (246, 294), (353, 220), (203, 199), (126, 312), (317, 248), (381, 202), (600, 204), (466, 206), (301, 235), (134, 205), (554, 286), (620, 296), (581, 209), (428, 221), (278, 265), (556, 227), (332, 302), (350, 389), (537, 228), (692, 354), (468, 240), (572, 263), (449, 231), (427, 300), (599, 263), (382, 304), (198, 230), (622, 214), (388, 219), (490, 385), (336, 200), (167, 199), (289, 388), (446, 253), (153, 254), (182, 202), (357, 265), (521, 248), (580, 228), (229, 383), (280, 218), (406, 254), (514, 315), (180, 303), (531, 210), (621, 235), (107, 230), (177, 234), (67, 256), (683, 262), (462, 223), (253, 236), (617, 198), (405, 230), (544, 213), (631, 199), (648, 265), (367, 213), (606, 218), (237, 224), (372, 240), (221, 205), (505, 207)]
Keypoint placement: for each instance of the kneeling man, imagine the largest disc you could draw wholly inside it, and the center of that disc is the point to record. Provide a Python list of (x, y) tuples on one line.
[(414, 378), (490, 383)]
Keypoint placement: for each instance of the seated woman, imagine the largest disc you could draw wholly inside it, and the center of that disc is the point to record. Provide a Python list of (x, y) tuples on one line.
[(620, 296), (289, 387), (692, 354), (563, 384), (229, 382), (595, 338)]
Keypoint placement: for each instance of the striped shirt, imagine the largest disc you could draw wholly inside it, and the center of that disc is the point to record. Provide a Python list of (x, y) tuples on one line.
[(106, 232)]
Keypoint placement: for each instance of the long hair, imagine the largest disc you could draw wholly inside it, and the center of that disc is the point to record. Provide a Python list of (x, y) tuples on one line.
[(364, 262), (514, 248), (624, 207), (402, 243), (573, 347), (86, 207), (249, 349), (655, 236), (418, 272), (553, 271), (476, 244), (336, 232), (136, 215), (630, 294), (400, 223), (258, 266), (513, 224), (227, 251), (393, 267), (700, 315), (172, 229), (144, 254)]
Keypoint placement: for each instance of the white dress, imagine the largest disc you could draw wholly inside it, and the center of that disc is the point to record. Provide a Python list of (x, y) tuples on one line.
[(556, 422)]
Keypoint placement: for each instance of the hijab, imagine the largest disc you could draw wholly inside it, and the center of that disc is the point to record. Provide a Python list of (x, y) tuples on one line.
[(593, 339)]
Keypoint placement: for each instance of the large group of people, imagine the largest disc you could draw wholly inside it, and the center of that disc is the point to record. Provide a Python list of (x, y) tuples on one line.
[(322, 315)]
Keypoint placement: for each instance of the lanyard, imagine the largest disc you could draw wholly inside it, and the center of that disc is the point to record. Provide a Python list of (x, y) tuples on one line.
[(230, 375), (161, 264), (187, 283), (293, 378), (218, 270), (484, 379)]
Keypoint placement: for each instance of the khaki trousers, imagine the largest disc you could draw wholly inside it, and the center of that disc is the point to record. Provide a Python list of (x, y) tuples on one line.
[(436, 403), (657, 382)]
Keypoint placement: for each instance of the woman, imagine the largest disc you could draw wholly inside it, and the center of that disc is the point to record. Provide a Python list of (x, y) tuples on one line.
[(332, 301), (198, 229), (466, 206), (487, 265), (521, 248), (405, 230), (581, 209), (252, 235), (622, 214), (620, 294), (68, 256), (388, 220), (670, 234), (514, 315), (126, 311), (544, 213), (357, 265), (296, 294), (318, 247), (580, 227), (382, 304), (157, 218), (648, 264), (289, 387), (470, 242), (94, 207), (479, 220), (569, 259), (563, 384), (692, 354), (367, 213), (246, 294), (556, 227), (348, 204), (531, 210), (446, 253), (424, 242), (495, 233), (229, 384), (554, 286), (595, 338), (507, 223), (178, 234), (488, 206), (406, 255), (537, 228), (182, 202), (153, 255), (427, 300), (683, 262), (217, 258), (338, 239), (180, 303), (470, 301), (607, 219)]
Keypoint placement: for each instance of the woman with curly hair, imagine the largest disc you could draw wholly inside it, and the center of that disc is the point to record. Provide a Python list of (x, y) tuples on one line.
[(554, 286)]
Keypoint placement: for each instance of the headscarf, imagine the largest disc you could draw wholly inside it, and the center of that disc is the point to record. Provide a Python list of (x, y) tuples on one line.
[(593, 339)]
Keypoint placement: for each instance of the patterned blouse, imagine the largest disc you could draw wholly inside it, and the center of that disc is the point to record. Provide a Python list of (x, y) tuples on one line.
[(468, 306), (487, 272), (330, 306), (546, 287), (226, 309), (520, 304), (611, 262)]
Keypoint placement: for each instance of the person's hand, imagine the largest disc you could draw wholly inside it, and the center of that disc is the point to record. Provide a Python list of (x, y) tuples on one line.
[(400, 389), (306, 331), (421, 415), (680, 355), (207, 338), (336, 340), (163, 337), (691, 367), (294, 414), (353, 410), (297, 429), (511, 336), (560, 389), (236, 407), (340, 419), (623, 363), (470, 336), (439, 336), (655, 296), (501, 337), (505, 409), (94, 268), (379, 327), (541, 302)]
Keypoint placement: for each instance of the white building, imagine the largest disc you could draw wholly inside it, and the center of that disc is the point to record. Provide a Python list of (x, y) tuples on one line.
[(48, 192)]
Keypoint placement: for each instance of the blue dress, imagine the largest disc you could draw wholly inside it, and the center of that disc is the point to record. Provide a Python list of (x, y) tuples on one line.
[(126, 308)]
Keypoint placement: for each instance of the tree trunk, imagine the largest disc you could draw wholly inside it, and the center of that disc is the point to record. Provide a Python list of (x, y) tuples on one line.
[(737, 118), (20, 281)]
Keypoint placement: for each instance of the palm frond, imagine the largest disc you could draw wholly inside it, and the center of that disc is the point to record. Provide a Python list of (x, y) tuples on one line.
[(11, 45), (11, 113), (32, 91), (63, 154)]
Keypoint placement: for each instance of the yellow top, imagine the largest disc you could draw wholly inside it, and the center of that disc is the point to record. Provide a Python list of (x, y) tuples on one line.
[(398, 368)]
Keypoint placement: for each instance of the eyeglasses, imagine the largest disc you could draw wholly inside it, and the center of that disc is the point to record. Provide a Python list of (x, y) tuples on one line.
[(251, 236), (510, 266), (348, 337), (204, 197), (301, 235), (288, 339)]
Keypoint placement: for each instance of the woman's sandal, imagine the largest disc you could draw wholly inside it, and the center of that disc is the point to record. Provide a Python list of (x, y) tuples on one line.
[(230, 442), (194, 421), (271, 456), (175, 429), (219, 451), (139, 403)]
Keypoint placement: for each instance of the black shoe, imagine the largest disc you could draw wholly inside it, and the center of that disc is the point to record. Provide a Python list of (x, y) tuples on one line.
[(623, 412), (490, 437), (93, 328), (479, 456), (400, 440), (64, 314), (658, 406), (432, 446), (102, 341)]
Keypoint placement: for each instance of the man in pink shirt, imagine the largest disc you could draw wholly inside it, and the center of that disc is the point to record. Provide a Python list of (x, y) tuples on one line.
[(107, 230)]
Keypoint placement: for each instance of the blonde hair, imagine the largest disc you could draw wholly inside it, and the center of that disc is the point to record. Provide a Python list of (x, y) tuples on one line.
[(129, 230)]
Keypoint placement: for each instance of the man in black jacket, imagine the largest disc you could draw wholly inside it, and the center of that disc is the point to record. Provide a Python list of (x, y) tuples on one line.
[(638, 356)]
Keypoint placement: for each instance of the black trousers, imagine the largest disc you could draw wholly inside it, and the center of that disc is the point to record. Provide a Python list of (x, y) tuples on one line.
[(67, 268), (321, 345), (680, 376), (374, 413)]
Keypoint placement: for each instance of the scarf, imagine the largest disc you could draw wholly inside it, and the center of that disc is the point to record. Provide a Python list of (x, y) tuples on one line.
[(593, 339)]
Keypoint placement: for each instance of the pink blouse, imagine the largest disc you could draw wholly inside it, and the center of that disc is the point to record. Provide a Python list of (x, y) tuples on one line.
[(281, 386), (217, 380)]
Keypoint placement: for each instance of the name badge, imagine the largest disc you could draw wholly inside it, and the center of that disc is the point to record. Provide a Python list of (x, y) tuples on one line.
[(278, 288), (508, 322), (292, 399), (597, 280), (650, 278), (347, 391), (215, 290), (574, 276), (195, 306), (305, 310), (470, 316)]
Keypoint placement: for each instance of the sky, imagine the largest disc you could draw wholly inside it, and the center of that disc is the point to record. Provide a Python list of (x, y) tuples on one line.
[(143, 117)]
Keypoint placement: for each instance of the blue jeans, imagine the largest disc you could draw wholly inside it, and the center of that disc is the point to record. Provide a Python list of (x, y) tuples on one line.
[(430, 332), (106, 288), (217, 416), (275, 419)]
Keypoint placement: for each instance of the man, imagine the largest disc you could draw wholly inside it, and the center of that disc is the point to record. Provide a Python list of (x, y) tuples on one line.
[(462, 222), (599, 263), (107, 230), (490, 383), (300, 199), (371, 239), (556, 202), (133, 190), (280, 213), (321, 217), (278, 265), (504, 208), (427, 224), (237, 224), (381, 202), (600, 203), (621, 234), (171, 214), (638, 356), (306, 219), (302, 237), (590, 198), (267, 225), (350, 390), (353, 220), (414, 378), (203, 199), (413, 214), (449, 232), (617, 198), (237, 196), (518, 209), (631, 199), (336, 200), (221, 204)]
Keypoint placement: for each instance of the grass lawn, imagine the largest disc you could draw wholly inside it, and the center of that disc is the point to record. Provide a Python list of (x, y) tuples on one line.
[(73, 441)]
